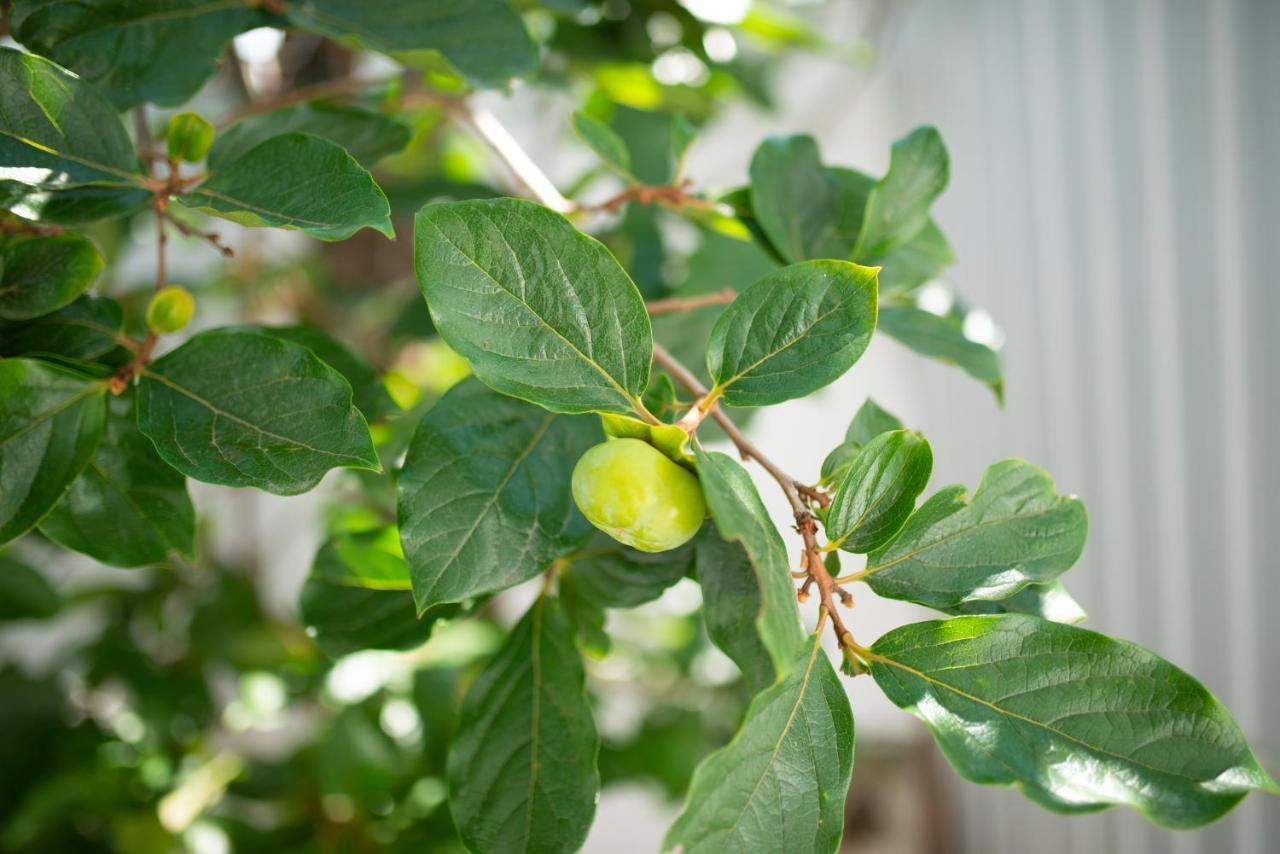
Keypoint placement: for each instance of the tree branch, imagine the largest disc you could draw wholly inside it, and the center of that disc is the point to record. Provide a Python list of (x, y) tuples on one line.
[(806, 524), (486, 126), (673, 305)]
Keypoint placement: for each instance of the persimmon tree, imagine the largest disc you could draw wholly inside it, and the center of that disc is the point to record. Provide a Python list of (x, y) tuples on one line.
[(591, 447)]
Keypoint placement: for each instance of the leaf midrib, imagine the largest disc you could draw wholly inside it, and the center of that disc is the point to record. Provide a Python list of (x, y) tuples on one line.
[(786, 728), (985, 523), (462, 541), (54, 412), (627, 396), (802, 335), (186, 392), (1032, 721)]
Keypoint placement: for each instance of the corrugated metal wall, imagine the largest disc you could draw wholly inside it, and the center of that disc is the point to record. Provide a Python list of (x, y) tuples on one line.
[(1115, 204)]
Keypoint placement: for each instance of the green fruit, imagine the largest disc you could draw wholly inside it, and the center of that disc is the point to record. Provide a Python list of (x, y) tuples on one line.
[(190, 135), (170, 309), (635, 494)]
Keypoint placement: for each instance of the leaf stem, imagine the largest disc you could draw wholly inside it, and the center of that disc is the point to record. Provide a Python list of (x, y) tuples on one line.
[(806, 524)]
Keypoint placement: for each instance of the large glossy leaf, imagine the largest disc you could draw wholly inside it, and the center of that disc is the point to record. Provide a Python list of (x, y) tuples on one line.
[(731, 606), (50, 422), (898, 205), (128, 507), (740, 517), (485, 40), (522, 766), (792, 332), (879, 490), (1015, 531), (85, 330), (542, 311), (370, 395), (135, 50), (24, 592), (296, 181), (1050, 601), (609, 574), (780, 784), (367, 136), (943, 335), (43, 274), (1076, 719), (797, 201), (357, 596), (241, 407), (484, 494), (58, 131)]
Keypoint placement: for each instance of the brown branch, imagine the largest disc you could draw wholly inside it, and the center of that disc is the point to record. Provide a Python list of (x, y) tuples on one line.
[(211, 237), (12, 224), (806, 524), (667, 195), (672, 305), (324, 89), (814, 494)]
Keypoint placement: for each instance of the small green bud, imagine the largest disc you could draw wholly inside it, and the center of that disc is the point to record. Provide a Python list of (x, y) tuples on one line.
[(170, 309), (190, 135)]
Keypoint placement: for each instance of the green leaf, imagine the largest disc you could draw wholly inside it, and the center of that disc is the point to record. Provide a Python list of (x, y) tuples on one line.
[(1016, 531), (373, 560), (299, 182), (357, 596), (241, 407), (43, 274), (370, 395), (24, 592), (1050, 601), (542, 311), (522, 766), (1077, 720), (837, 462), (898, 205), (740, 517), (485, 40), (58, 131), (607, 145), (86, 330), (128, 507), (870, 421), (792, 332), (367, 136), (878, 491), (484, 498), (50, 422), (780, 785), (732, 606), (661, 399), (612, 575), (943, 336), (719, 262), (796, 200), (135, 50), (919, 260), (64, 155)]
